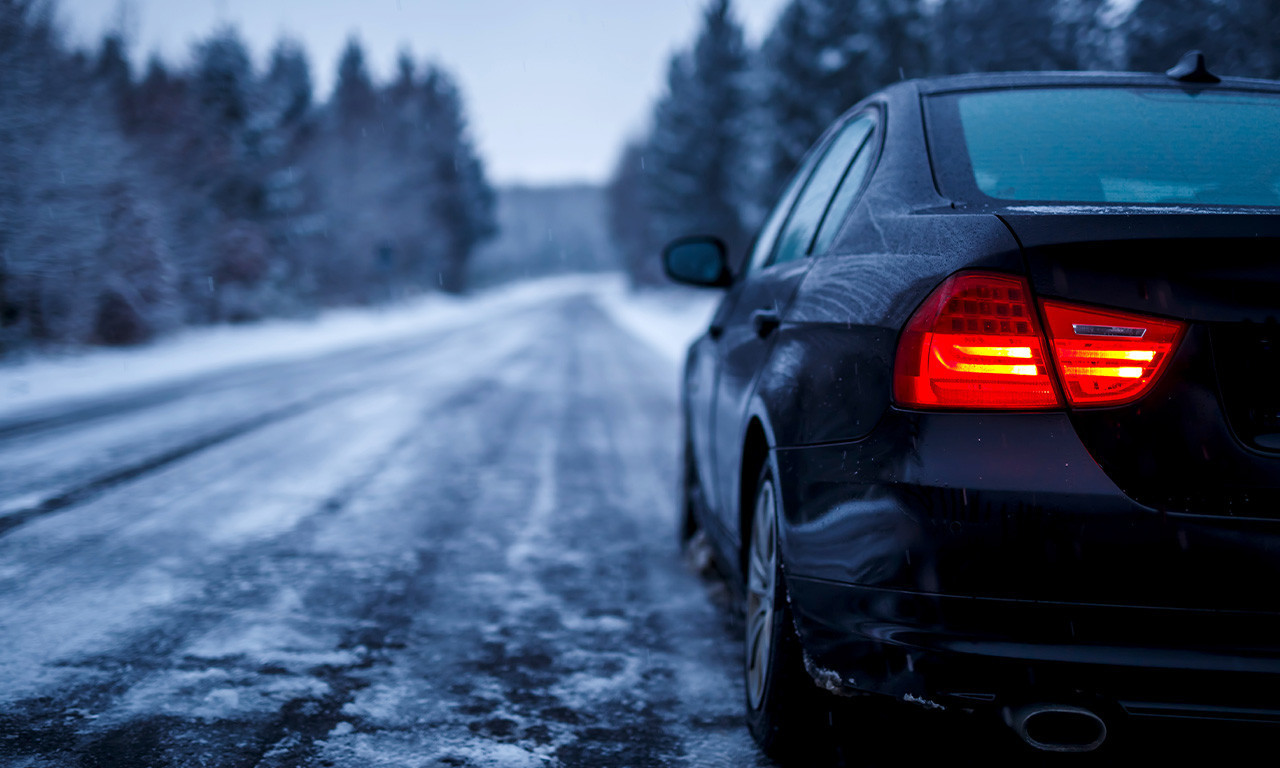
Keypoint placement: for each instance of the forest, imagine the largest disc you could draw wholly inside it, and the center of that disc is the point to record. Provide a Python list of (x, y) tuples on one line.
[(133, 203), (736, 119), (138, 200)]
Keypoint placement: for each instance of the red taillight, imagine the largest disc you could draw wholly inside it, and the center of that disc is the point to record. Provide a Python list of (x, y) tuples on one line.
[(1107, 357), (974, 343)]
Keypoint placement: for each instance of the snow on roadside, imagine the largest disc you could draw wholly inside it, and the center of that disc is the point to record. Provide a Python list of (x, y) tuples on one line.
[(667, 320)]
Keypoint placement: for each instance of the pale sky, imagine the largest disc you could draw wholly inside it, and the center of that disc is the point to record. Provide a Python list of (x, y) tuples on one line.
[(552, 87)]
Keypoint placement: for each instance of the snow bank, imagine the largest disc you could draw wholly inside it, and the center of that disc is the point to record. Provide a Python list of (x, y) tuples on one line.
[(665, 319)]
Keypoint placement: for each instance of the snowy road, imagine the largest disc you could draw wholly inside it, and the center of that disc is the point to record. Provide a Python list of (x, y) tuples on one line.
[(453, 550)]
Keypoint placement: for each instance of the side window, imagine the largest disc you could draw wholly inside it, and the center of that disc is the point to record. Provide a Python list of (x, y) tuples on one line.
[(764, 243), (846, 195), (798, 234)]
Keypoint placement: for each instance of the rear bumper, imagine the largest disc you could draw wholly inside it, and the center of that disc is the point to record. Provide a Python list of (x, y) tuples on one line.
[(994, 562), (974, 652)]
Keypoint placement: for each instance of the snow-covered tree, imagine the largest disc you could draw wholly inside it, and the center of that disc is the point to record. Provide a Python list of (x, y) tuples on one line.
[(112, 70), (61, 154), (695, 158), (819, 60), (206, 193), (224, 79), (137, 290), (354, 99), (461, 206), (630, 223), (288, 82), (808, 77)]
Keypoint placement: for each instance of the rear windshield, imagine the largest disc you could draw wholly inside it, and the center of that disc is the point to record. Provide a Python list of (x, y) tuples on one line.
[(1114, 145)]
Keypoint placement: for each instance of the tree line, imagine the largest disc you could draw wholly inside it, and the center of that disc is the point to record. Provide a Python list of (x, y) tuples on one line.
[(735, 120), (132, 203)]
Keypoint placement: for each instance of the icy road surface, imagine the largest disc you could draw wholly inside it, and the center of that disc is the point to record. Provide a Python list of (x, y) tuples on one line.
[(445, 548), (454, 549)]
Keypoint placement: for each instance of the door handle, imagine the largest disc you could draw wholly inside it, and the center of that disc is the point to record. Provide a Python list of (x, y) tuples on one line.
[(765, 321)]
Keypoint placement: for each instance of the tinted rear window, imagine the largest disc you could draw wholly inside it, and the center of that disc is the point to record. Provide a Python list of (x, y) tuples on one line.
[(1117, 145)]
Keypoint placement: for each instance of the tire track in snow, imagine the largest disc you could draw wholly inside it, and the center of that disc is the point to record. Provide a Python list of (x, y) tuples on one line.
[(82, 411), (86, 491), (150, 650), (350, 373), (569, 634)]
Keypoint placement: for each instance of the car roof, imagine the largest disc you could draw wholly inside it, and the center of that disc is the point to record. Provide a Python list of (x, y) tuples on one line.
[(997, 80)]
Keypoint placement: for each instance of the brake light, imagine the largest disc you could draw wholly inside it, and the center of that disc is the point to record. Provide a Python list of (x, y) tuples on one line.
[(974, 343), (1107, 357)]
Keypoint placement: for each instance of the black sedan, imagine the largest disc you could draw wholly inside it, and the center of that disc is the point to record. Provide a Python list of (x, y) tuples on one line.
[(989, 418)]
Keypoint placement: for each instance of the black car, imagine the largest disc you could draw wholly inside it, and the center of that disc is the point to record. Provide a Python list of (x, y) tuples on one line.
[(989, 418)]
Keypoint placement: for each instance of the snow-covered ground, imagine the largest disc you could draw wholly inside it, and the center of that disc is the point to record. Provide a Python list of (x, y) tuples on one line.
[(665, 319)]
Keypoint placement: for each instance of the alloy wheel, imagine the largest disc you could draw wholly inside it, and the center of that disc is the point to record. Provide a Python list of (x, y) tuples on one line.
[(762, 576)]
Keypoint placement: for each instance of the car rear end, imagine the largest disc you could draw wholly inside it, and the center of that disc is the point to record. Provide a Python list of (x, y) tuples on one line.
[(1074, 501)]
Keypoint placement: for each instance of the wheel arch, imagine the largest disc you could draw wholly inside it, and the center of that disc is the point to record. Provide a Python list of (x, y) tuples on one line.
[(757, 447)]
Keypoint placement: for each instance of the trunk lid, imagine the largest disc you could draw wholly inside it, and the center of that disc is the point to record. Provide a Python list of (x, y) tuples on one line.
[(1206, 439)]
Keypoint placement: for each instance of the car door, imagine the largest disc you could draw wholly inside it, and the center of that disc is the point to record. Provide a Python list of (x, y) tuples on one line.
[(704, 371), (744, 327)]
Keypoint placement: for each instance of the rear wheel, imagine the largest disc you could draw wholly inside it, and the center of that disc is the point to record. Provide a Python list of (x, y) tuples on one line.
[(786, 713)]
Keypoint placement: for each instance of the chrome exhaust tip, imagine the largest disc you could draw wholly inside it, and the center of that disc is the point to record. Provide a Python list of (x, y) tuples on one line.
[(1057, 727)]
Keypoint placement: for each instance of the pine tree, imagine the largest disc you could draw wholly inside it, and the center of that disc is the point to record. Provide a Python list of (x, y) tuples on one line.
[(896, 35), (290, 196), (820, 59), (112, 70), (61, 148), (350, 160), (1012, 35), (354, 99), (288, 82), (160, 103), (808, 77), (696, 153), (405, 256), (137, 290), (224, 79), (462, 203), (629, 220)]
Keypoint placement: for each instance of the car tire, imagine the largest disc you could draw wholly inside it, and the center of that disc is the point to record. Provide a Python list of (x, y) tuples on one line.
[(787, 714), (694, 545), (687, 525)]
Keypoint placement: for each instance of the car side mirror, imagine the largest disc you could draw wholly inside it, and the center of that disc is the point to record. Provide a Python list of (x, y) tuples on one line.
[(699, 260)]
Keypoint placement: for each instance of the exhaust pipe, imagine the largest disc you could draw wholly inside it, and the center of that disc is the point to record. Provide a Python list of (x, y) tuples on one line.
[(1057, 727)]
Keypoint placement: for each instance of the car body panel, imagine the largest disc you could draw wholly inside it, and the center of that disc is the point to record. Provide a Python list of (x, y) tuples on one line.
[(698, 398), (741, 353), (829, 379), (971, 653)]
